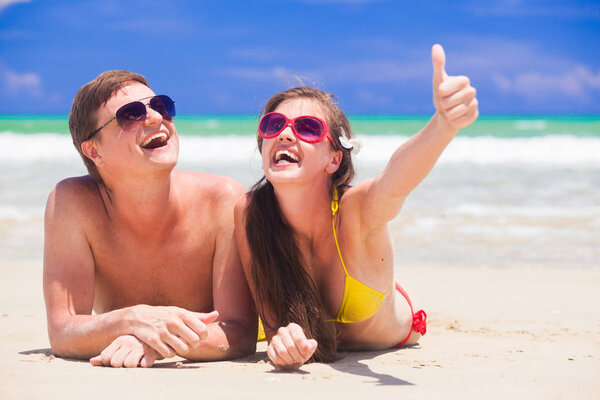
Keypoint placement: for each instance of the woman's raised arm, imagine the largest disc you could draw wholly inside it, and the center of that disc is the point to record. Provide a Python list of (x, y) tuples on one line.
[(456, 107)]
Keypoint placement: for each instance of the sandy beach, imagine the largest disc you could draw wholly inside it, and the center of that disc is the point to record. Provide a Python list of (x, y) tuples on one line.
[(499, 244), (501, 253), (492, 333)]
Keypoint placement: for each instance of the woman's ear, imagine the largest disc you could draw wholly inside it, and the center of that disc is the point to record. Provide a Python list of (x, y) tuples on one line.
[(90, 149), (334, 162)]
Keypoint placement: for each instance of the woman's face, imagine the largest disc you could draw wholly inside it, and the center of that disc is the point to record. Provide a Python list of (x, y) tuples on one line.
[(286, 159)]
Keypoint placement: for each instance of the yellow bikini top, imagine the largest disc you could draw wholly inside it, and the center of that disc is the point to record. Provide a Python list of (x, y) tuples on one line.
[(360, 301)]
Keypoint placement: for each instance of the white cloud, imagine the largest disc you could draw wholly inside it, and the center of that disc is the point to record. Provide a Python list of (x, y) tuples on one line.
[(355, 72), (528, 9), (26, 82), (24, 85), (518, 68), (6, 3), (374, 99), (577, 83), (279, 74), (258, 74), (377, 71), (489, 53), (522, 69), (257, 54), (338, 1), (503, 83), (15, 35)]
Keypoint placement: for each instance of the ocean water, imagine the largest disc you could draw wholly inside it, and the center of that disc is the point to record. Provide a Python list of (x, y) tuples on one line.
[(518, 192)]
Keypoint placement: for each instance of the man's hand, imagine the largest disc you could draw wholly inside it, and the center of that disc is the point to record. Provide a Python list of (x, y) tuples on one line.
[(170, 330), (290, 348), (453, 96), (126, 351)]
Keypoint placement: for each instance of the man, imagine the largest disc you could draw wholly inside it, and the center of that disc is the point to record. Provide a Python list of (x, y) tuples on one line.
[(147, 247)]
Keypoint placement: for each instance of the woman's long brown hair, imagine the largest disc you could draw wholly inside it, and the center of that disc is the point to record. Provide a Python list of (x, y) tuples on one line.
[(277, 267)]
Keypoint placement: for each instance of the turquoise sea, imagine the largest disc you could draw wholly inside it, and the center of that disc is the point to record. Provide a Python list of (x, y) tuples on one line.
[(502, 127), (517, 191)]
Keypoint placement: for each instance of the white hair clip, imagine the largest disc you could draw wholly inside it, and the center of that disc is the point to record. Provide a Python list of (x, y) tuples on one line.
[(349, 144)]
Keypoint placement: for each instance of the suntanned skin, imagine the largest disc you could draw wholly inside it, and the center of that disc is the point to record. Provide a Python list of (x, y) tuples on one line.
[(302, 190), (151, 252)]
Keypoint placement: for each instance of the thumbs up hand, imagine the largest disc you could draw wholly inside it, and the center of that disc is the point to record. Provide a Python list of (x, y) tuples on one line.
[(453, 96)]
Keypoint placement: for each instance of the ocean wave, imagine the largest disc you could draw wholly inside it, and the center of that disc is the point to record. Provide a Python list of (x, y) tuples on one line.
[(548, 151), (557, 151), (19, 213), (530, 125), (523, 211), (36, 147)]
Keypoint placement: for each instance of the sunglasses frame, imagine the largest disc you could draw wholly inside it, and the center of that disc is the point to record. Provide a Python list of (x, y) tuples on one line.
[(146, 105), (291, 123)]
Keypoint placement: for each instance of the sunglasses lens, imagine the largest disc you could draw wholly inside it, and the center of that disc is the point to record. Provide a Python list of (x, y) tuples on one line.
[(130, 113), (309, 128), (163, 105), (271, 125)]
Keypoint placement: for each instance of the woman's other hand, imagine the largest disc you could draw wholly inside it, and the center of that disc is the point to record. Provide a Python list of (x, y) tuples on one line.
[(289, 348)]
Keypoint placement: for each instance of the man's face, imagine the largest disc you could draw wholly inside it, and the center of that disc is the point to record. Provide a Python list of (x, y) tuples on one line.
[(149, 146)]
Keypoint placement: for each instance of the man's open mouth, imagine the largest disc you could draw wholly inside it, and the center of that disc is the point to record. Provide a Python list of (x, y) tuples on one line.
[(286, 157), (155, 141)]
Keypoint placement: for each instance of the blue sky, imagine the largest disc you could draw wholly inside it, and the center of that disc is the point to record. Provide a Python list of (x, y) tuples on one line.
[(223, 57)]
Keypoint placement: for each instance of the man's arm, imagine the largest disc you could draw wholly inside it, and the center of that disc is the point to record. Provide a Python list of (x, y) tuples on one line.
[(69, 288), (69, 278), (234, 335)]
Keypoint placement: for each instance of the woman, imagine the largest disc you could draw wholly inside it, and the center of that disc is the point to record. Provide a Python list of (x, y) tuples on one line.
[(316, 252)]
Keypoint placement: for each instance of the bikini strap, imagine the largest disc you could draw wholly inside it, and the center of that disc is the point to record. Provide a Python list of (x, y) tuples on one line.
[(419, 318), (335, 204)]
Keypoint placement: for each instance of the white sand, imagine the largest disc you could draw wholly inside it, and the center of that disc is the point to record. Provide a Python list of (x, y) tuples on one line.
[(521, 334)]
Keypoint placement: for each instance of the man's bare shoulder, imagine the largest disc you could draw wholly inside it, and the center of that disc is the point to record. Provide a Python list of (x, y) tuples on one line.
[(77, 183), (73, 205), (75, 192), (240, 207), (218, 189)]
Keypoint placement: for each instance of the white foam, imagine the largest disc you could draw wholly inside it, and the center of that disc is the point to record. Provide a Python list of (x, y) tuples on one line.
[(558, 151), (17, 148), (530, 125), (522, 211), (547, 151), (20, 214)]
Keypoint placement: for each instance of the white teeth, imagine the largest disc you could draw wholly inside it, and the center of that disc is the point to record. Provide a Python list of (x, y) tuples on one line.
[(291, 155), (151, 138)]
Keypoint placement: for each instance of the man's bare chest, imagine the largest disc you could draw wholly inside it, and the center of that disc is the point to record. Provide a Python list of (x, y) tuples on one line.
[(170, 269)]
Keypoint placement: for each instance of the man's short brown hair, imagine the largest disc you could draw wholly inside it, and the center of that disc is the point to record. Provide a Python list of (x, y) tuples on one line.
[(88, 100)]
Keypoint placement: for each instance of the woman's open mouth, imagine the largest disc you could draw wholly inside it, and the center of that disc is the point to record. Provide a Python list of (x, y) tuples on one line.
[(286, 157)]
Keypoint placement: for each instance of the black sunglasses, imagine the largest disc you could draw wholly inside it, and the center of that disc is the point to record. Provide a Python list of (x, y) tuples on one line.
[(136, 111)]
